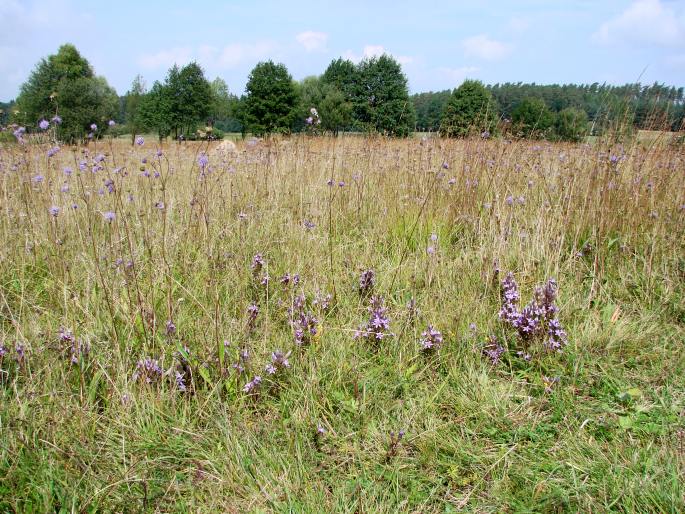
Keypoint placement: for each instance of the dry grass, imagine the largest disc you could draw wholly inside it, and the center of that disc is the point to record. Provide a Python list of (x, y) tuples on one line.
[(479, 437)]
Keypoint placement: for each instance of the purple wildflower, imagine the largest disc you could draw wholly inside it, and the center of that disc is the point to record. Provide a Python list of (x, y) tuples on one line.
[(305, 327), (366, 282), (21, 352), (111, 123), (54, 211), (287, 279), (257, 263), (279, 361), (252, 313), (140, 141), (322, 301), (43, 124), (203, 160), (378, 326), (493, 350), (412, 310), (170, 328), (53, 151), (524, 355), (147, 370), (181, 382), (510, 297), (109, 216), (57, 120), (556, 336), (252, 385), (431, 339), (93, 127), (19, 134)]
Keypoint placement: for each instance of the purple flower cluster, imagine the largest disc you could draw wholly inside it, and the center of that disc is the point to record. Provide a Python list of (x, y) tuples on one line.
[(304, 323), (252, 313), (510, 297), (431, 339), (257, 263), (536, 319), (180, 382), (147, 370), (243, 357), (77, 349), (493, 350), (366, 282), (412, 310), (322, 301), (252, 385), (288, 279), (279, 361), (378, 326)]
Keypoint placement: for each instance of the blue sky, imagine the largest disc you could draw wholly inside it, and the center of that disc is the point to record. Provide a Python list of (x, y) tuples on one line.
[(438, 43)]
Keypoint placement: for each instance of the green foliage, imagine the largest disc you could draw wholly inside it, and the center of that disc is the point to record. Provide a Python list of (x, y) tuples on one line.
[(335, 110), (381, 97), (271, 99), (532, 118), (132, 102), (429, 108), (223, 113), (190, 97), (65, 84), (155, 110), (470, 110), (571, 124), (6, 109), (179, 105), (341, 74)]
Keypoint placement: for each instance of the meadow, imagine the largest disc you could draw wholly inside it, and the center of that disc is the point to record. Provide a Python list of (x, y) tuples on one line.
[(351, 324)]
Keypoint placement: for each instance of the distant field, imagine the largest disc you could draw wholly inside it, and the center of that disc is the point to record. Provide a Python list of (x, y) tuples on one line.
[(329, 325)]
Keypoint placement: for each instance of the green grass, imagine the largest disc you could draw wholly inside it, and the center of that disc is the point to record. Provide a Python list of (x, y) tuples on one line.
[(608, 436)]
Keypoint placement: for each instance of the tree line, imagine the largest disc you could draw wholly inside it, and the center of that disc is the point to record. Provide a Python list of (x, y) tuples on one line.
[(371, 96), (650, 107)]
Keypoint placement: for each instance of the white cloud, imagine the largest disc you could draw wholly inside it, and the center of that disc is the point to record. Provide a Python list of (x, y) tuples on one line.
[(312, 41), (166, 58), (457, 75), (645, 22), (483, 47), (31, 30), (211, 57), (371, 51), (518, 25)]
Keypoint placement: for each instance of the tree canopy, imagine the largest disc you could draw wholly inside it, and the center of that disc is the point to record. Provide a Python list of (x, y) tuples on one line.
[(470, 110), (381, 97), (532, 118), (64, 84), (271, 99)]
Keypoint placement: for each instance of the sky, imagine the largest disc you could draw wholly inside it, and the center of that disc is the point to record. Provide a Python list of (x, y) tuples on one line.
[(438, 43)]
